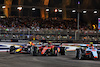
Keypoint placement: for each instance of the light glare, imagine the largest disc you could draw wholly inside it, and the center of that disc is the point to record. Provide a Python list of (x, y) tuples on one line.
[(3, 7), (95, 11), (33, 8), (60, 10), (47, 10), (73, 11), (56, 10), (19, 8), (84, 11)]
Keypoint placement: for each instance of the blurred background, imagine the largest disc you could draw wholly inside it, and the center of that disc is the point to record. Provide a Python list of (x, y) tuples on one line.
[(57, 20)]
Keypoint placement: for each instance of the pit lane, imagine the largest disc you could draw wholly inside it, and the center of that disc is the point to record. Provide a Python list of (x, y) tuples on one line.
[(27, 60)]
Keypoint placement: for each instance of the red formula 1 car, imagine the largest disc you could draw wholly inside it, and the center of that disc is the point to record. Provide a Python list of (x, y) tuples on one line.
[(45, 50)]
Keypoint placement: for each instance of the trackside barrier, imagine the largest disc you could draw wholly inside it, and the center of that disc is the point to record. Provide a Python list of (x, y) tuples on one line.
[(4, 46), (77, 44), (73, 46)]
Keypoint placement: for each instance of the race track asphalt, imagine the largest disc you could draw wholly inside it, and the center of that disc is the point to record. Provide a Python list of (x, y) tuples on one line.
[(27, 60)]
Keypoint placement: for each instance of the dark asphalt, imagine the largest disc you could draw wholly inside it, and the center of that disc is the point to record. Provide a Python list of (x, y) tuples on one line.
[(26, 60)]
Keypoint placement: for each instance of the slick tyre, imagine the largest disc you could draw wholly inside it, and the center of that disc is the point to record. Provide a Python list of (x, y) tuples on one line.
[(47, 54), (80, 55), (65, 53), (32, 54), (76, 53), (58, 54), (14, 51), (98, 55), (31, 51)]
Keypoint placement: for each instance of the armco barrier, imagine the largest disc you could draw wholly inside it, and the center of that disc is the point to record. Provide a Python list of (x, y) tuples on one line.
[(5, 40), (77, 44), (71, 46), (14, 40), (11, 40), (23, 41)]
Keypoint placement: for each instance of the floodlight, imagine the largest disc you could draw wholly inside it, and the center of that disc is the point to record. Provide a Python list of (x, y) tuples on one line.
[(33, 8), (84, 11), (73, 11), (3, 7), (19, 8)]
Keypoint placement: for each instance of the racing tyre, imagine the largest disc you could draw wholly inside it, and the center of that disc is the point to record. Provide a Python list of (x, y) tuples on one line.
[(12, 50), (62, 50), (46, 54), (80, 54), (66, 53), (76, 53), (58, 54), (98, 55), (31, 51)]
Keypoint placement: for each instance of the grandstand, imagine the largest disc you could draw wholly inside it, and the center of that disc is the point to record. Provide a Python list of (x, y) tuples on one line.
[(23, 28), (34, 22)]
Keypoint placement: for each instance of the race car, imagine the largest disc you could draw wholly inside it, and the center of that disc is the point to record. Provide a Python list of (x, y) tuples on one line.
[(45, 50), (22, 49), (25, 48), (87, 51)]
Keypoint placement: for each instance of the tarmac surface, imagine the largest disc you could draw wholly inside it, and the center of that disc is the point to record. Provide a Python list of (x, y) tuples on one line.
[(27, 60)]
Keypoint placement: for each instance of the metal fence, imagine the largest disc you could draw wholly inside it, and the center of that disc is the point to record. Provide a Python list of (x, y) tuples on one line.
[(49, 34)]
